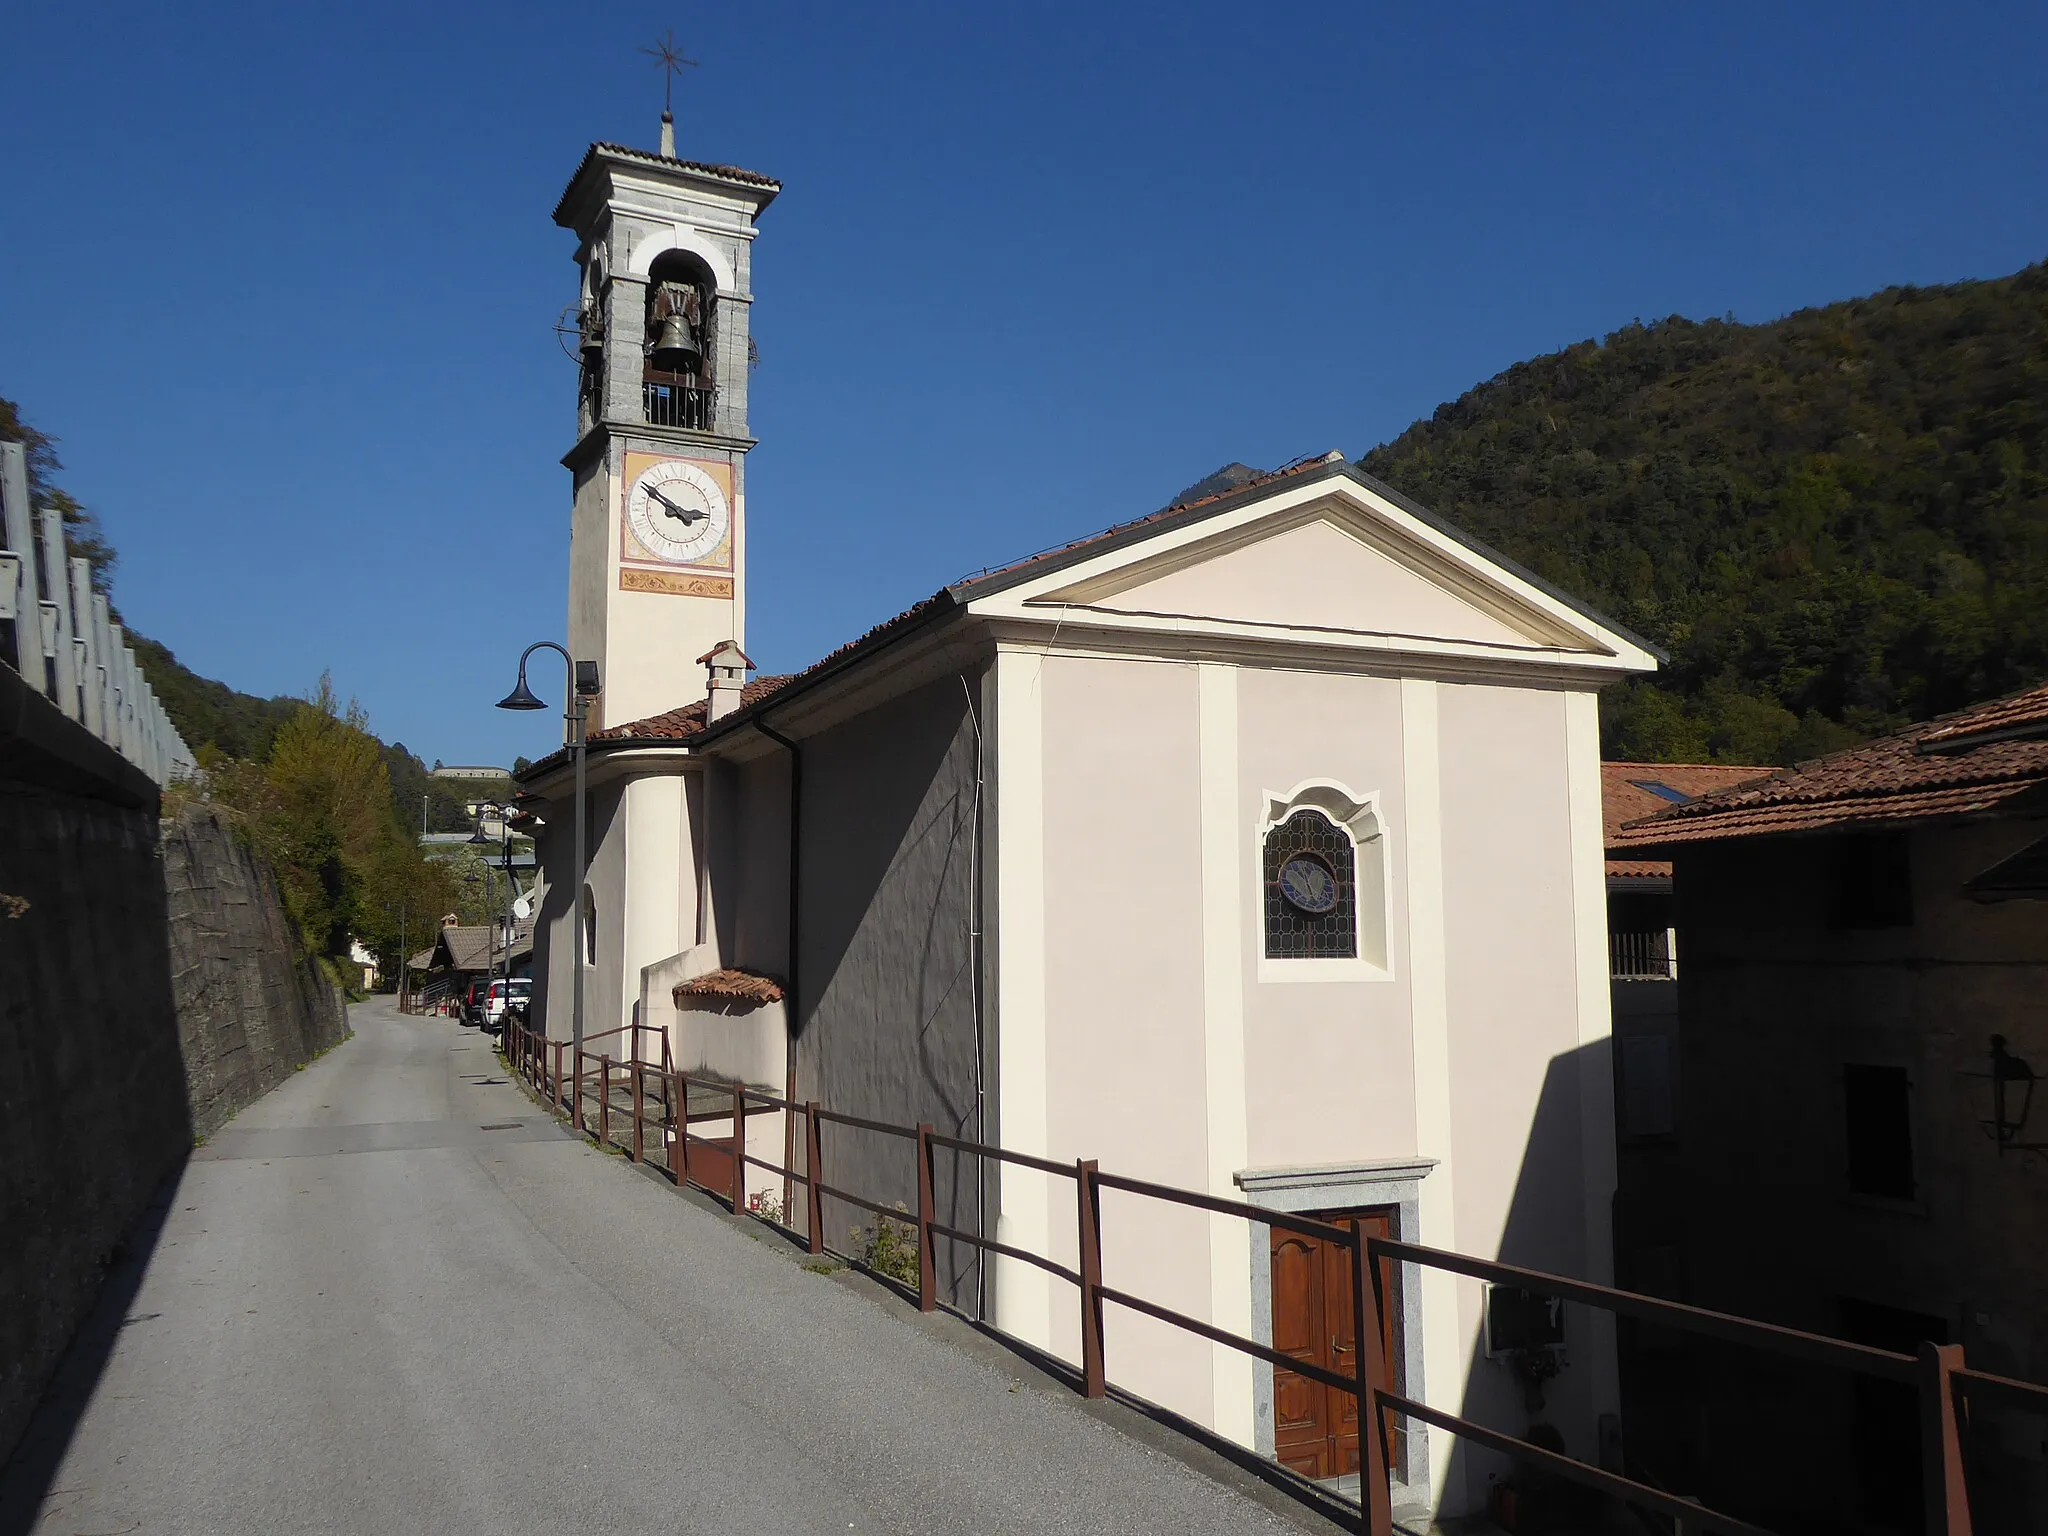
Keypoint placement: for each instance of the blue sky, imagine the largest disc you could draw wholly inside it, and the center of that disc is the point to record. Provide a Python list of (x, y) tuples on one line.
[(283, 280)]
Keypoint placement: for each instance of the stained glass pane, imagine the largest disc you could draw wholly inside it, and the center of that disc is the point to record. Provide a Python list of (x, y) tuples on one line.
[(1292, 932)]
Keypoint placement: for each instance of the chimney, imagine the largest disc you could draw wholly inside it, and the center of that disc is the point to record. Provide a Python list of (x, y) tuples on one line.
[(668, 135), (725, 674)]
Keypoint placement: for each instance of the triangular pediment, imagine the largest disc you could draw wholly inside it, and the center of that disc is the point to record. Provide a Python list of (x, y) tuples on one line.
[(1332, 567)]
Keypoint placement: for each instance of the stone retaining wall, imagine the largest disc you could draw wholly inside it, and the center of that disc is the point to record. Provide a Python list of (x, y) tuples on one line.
[(150, 986)]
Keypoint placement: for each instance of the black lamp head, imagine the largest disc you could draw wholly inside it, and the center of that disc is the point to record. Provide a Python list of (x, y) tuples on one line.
[(521, 697), (477, 836)]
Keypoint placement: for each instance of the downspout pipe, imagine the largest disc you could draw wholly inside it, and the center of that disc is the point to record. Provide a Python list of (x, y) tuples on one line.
[(791, 994)]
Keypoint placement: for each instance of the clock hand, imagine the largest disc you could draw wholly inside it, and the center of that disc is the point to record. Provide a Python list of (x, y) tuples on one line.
[(685, 515)]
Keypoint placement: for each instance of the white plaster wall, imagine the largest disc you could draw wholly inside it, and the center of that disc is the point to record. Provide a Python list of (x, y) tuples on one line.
[(1523, 1130), (607, 999), (722, 1038), (1317, 575), (1124, 1039), (660, 914), (1329, 1069)]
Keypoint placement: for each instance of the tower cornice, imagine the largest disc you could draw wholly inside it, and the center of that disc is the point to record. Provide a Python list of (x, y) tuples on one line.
[(593, 442), (607, 167)]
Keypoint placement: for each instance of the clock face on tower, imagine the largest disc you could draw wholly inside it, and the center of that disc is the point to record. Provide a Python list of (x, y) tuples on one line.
[(678, 512)]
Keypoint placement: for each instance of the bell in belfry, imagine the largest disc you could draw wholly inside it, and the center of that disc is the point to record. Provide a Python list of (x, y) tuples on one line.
[(675, 347)]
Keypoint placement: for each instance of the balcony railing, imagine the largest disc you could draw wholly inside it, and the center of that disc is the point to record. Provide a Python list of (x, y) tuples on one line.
[(678, 405), (1641, 956)]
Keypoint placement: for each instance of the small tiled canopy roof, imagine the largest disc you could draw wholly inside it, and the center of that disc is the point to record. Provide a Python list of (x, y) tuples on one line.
[(1625, 796), (731, 986), (682, 724), (1972, 762)]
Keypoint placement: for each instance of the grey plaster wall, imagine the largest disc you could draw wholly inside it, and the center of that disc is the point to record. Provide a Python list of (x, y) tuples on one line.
[(887, 978)]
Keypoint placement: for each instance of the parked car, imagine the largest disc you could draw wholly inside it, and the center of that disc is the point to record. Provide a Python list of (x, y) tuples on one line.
[(469, 1006), (517, 992)]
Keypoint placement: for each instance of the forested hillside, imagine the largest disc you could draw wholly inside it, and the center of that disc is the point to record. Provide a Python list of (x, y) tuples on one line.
[(1836, 523)]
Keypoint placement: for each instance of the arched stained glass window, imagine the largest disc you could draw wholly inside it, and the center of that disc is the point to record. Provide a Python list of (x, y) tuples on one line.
[(1311, 890)]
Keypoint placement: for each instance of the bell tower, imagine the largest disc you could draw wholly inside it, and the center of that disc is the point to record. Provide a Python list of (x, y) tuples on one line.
[(658, 532)]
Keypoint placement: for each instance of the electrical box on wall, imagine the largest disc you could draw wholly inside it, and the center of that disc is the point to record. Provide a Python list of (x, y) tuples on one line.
[(1518, 1321)]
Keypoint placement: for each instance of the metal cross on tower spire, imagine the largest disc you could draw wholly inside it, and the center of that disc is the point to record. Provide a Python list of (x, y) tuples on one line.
[(667, 53)]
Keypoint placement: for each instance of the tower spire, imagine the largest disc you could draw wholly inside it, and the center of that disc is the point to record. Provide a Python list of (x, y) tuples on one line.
[(667, 54)]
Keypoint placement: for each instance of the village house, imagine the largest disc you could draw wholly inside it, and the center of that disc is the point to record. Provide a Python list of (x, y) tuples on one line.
[(1254, 847), (1857, 1147)]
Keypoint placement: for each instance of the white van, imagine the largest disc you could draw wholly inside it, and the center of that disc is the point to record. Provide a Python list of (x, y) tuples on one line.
[(520, 992)]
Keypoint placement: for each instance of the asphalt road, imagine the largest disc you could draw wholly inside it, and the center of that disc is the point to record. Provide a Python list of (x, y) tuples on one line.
[(364, 1312)]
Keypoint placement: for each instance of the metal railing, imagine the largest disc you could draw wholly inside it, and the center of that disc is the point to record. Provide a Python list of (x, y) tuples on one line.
[(1945, 1385), (61, 636), (1640, 956), (678, 405)]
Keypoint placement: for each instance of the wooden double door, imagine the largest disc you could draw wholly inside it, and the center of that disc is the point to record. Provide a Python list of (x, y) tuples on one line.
[(1315, 1427)]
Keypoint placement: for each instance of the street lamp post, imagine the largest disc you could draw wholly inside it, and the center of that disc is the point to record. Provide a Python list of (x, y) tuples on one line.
[(501, 925), (581, 678)]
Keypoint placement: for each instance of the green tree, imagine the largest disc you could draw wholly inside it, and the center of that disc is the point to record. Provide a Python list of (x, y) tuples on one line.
[(1836, 523), (82, 532)]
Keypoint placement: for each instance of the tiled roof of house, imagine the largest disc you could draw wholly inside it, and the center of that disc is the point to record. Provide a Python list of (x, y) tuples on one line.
[(1626, 795), (732, 985), (682, 724), (2016, 715), (470, 946), (1931, 770)]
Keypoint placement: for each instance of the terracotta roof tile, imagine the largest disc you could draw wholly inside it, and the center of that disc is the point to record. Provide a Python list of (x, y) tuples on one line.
[(682, 724), (1284, 472), (1933, 769), (1639, 869), (733, 985), (707, 168), (1624, 799), (2018, 714)]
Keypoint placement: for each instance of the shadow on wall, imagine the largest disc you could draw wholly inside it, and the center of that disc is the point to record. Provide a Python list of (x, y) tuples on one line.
[(93, 1112), (151, 984), (886, 986), (1541, 1372)]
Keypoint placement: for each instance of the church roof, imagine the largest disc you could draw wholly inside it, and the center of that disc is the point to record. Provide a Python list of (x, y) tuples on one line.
[(995, 579), (687, 722)]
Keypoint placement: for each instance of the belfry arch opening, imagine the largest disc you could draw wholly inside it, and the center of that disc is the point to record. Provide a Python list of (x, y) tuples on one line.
[(679, 381)]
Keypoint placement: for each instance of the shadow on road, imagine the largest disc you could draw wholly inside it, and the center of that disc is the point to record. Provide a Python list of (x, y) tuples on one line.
[(26, 1481)]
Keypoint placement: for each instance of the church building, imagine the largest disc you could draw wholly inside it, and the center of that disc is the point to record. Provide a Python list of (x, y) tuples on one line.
[(1252, 847)]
